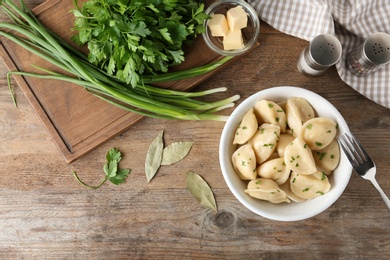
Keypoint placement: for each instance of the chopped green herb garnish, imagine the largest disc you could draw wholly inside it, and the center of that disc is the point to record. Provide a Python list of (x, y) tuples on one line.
[(320, 192), (321, 155), (309, 126), (270, 105), (304, 190), (318, 144), (269, 145)]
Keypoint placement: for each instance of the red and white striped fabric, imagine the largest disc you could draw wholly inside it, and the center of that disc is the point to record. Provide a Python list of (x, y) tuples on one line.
[(351, 21)]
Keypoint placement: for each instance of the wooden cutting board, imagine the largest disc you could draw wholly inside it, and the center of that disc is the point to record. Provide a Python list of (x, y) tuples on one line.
[(78, 121)]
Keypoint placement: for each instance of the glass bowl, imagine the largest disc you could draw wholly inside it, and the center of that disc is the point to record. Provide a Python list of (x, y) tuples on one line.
[(250, 33)]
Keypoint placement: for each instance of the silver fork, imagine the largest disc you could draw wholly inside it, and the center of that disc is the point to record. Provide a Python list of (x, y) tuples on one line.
[(361, 162)]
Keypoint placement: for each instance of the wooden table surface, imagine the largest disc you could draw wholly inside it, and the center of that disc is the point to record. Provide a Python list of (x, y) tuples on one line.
[(46, 214)]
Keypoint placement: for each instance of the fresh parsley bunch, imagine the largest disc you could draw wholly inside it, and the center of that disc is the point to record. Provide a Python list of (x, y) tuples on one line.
[(128, 38)]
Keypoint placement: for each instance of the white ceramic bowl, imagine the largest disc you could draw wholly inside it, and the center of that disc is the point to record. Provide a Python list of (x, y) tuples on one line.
[(250, 33), (292, 211)]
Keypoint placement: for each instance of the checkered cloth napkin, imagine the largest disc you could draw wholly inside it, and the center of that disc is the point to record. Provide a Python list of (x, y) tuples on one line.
[(351, 21)]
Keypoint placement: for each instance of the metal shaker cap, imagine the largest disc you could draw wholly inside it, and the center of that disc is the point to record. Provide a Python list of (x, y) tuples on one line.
[(376, 49), (324, 51)]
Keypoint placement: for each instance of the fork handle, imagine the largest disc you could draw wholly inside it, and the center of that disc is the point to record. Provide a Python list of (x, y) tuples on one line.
[(383, 195)]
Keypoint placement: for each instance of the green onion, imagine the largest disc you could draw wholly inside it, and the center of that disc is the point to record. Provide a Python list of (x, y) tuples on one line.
[(144, 99)]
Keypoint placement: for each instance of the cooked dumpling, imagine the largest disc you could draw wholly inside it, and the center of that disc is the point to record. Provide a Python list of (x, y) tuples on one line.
[(266, 189), (309, 186), (298, 111), (247, 128), (284, 140), (244, 162), (291, 195), (270, 112), (264, 141), (274, 169), (318, 132), (299, 158), (328, 158), (274, 155), (282, 104)]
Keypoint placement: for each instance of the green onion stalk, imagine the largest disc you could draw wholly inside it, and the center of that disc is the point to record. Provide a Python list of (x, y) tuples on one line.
[(144, 99)]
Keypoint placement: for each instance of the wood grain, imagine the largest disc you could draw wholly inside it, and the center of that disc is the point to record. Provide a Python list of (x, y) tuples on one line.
[(46, 214)]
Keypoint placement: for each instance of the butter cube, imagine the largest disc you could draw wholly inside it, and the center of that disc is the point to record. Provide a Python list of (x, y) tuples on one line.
[(218, 25), (233, 40), (237, 18)]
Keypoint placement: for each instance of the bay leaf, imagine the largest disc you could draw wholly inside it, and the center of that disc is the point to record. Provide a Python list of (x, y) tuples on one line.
[(154, 156), (175, 152), (201, 190)]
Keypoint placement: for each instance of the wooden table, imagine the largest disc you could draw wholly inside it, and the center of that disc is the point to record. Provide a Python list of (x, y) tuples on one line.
[(46, 213)]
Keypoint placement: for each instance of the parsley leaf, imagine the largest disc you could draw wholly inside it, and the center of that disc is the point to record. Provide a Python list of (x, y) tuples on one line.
[(120, 177), (111, 169)]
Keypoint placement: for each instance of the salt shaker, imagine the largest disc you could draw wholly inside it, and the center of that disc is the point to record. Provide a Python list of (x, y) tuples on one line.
[(321, 53), (371, 55)]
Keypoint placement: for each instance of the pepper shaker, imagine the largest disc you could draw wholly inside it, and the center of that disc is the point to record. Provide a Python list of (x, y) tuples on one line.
[(371, 55), (321, 53)]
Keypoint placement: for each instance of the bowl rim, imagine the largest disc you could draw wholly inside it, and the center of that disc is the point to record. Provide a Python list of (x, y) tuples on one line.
[(320, 203), (250, 43)]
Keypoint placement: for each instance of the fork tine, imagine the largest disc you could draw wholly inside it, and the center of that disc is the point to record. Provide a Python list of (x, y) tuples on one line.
[(346, 146), (360, 149), (354, 150), (357, 148)]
